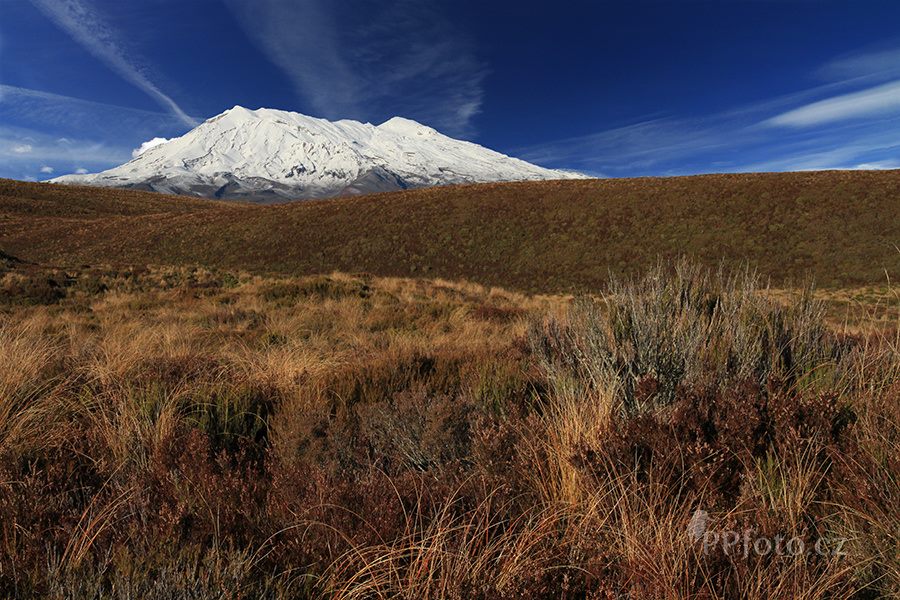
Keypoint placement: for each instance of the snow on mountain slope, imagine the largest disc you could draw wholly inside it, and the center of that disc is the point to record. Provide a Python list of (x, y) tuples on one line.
[(272, 155)]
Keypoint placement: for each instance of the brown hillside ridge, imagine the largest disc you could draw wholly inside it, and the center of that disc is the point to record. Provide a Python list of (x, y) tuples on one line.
[(841, 228)]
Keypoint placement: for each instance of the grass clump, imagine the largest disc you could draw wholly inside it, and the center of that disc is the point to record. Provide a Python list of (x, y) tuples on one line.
[(684, 326), (316, 288)]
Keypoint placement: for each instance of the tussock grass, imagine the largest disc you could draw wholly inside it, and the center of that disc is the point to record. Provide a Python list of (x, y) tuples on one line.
[(684, 326), (188, 433)]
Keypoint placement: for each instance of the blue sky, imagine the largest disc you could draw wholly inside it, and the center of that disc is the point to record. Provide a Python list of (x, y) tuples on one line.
[(610, 88)]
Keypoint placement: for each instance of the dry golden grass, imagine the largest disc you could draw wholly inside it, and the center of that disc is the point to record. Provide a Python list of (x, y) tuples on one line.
[(179, 432)]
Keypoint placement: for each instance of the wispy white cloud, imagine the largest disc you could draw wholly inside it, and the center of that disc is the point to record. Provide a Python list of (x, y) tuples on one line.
[(66, 134), (89, 29), (817, 155), (301, 38), (640, 145), (733, 141), (42, 150), (834, 125), (875, 101), (51, 129), (852, 92), (62, 123), (68, 115), (883, 64), (368, 60), (882, 165), (47, 170)]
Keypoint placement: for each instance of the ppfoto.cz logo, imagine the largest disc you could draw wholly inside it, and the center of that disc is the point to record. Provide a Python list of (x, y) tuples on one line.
[(743, 543)]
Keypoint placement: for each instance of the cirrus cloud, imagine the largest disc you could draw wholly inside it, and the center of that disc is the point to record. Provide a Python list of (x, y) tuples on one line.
[(369, 61), (88, 28), (878, 100)]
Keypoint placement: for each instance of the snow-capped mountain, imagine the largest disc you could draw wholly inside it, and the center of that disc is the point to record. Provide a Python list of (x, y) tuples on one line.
[(273, 155)]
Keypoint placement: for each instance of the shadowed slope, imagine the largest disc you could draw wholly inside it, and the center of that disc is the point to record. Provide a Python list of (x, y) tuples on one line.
[(841, 228)]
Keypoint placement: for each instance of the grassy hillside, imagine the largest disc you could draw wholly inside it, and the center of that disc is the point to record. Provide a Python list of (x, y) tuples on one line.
[(842, 228), (169, 430)]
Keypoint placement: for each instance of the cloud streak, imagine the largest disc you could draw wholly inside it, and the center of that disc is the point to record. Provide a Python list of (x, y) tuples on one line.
[(733, 141), (86, 27), (829, 126), (62, 132), (42, 149), (370, 61), (875, 101), (69, 115), (641, 145), (883, 64)]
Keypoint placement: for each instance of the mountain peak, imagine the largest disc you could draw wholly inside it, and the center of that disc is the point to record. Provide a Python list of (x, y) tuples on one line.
[(235, 113), (275, 155), (406, 126)]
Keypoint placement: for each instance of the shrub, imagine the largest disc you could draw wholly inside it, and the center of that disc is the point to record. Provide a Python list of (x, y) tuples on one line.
[(315, 288), (233, 416), (38, 289), (690, 327)]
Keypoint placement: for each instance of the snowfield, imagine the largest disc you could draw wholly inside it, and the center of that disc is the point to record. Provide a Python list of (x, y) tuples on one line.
[(273, 155)]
